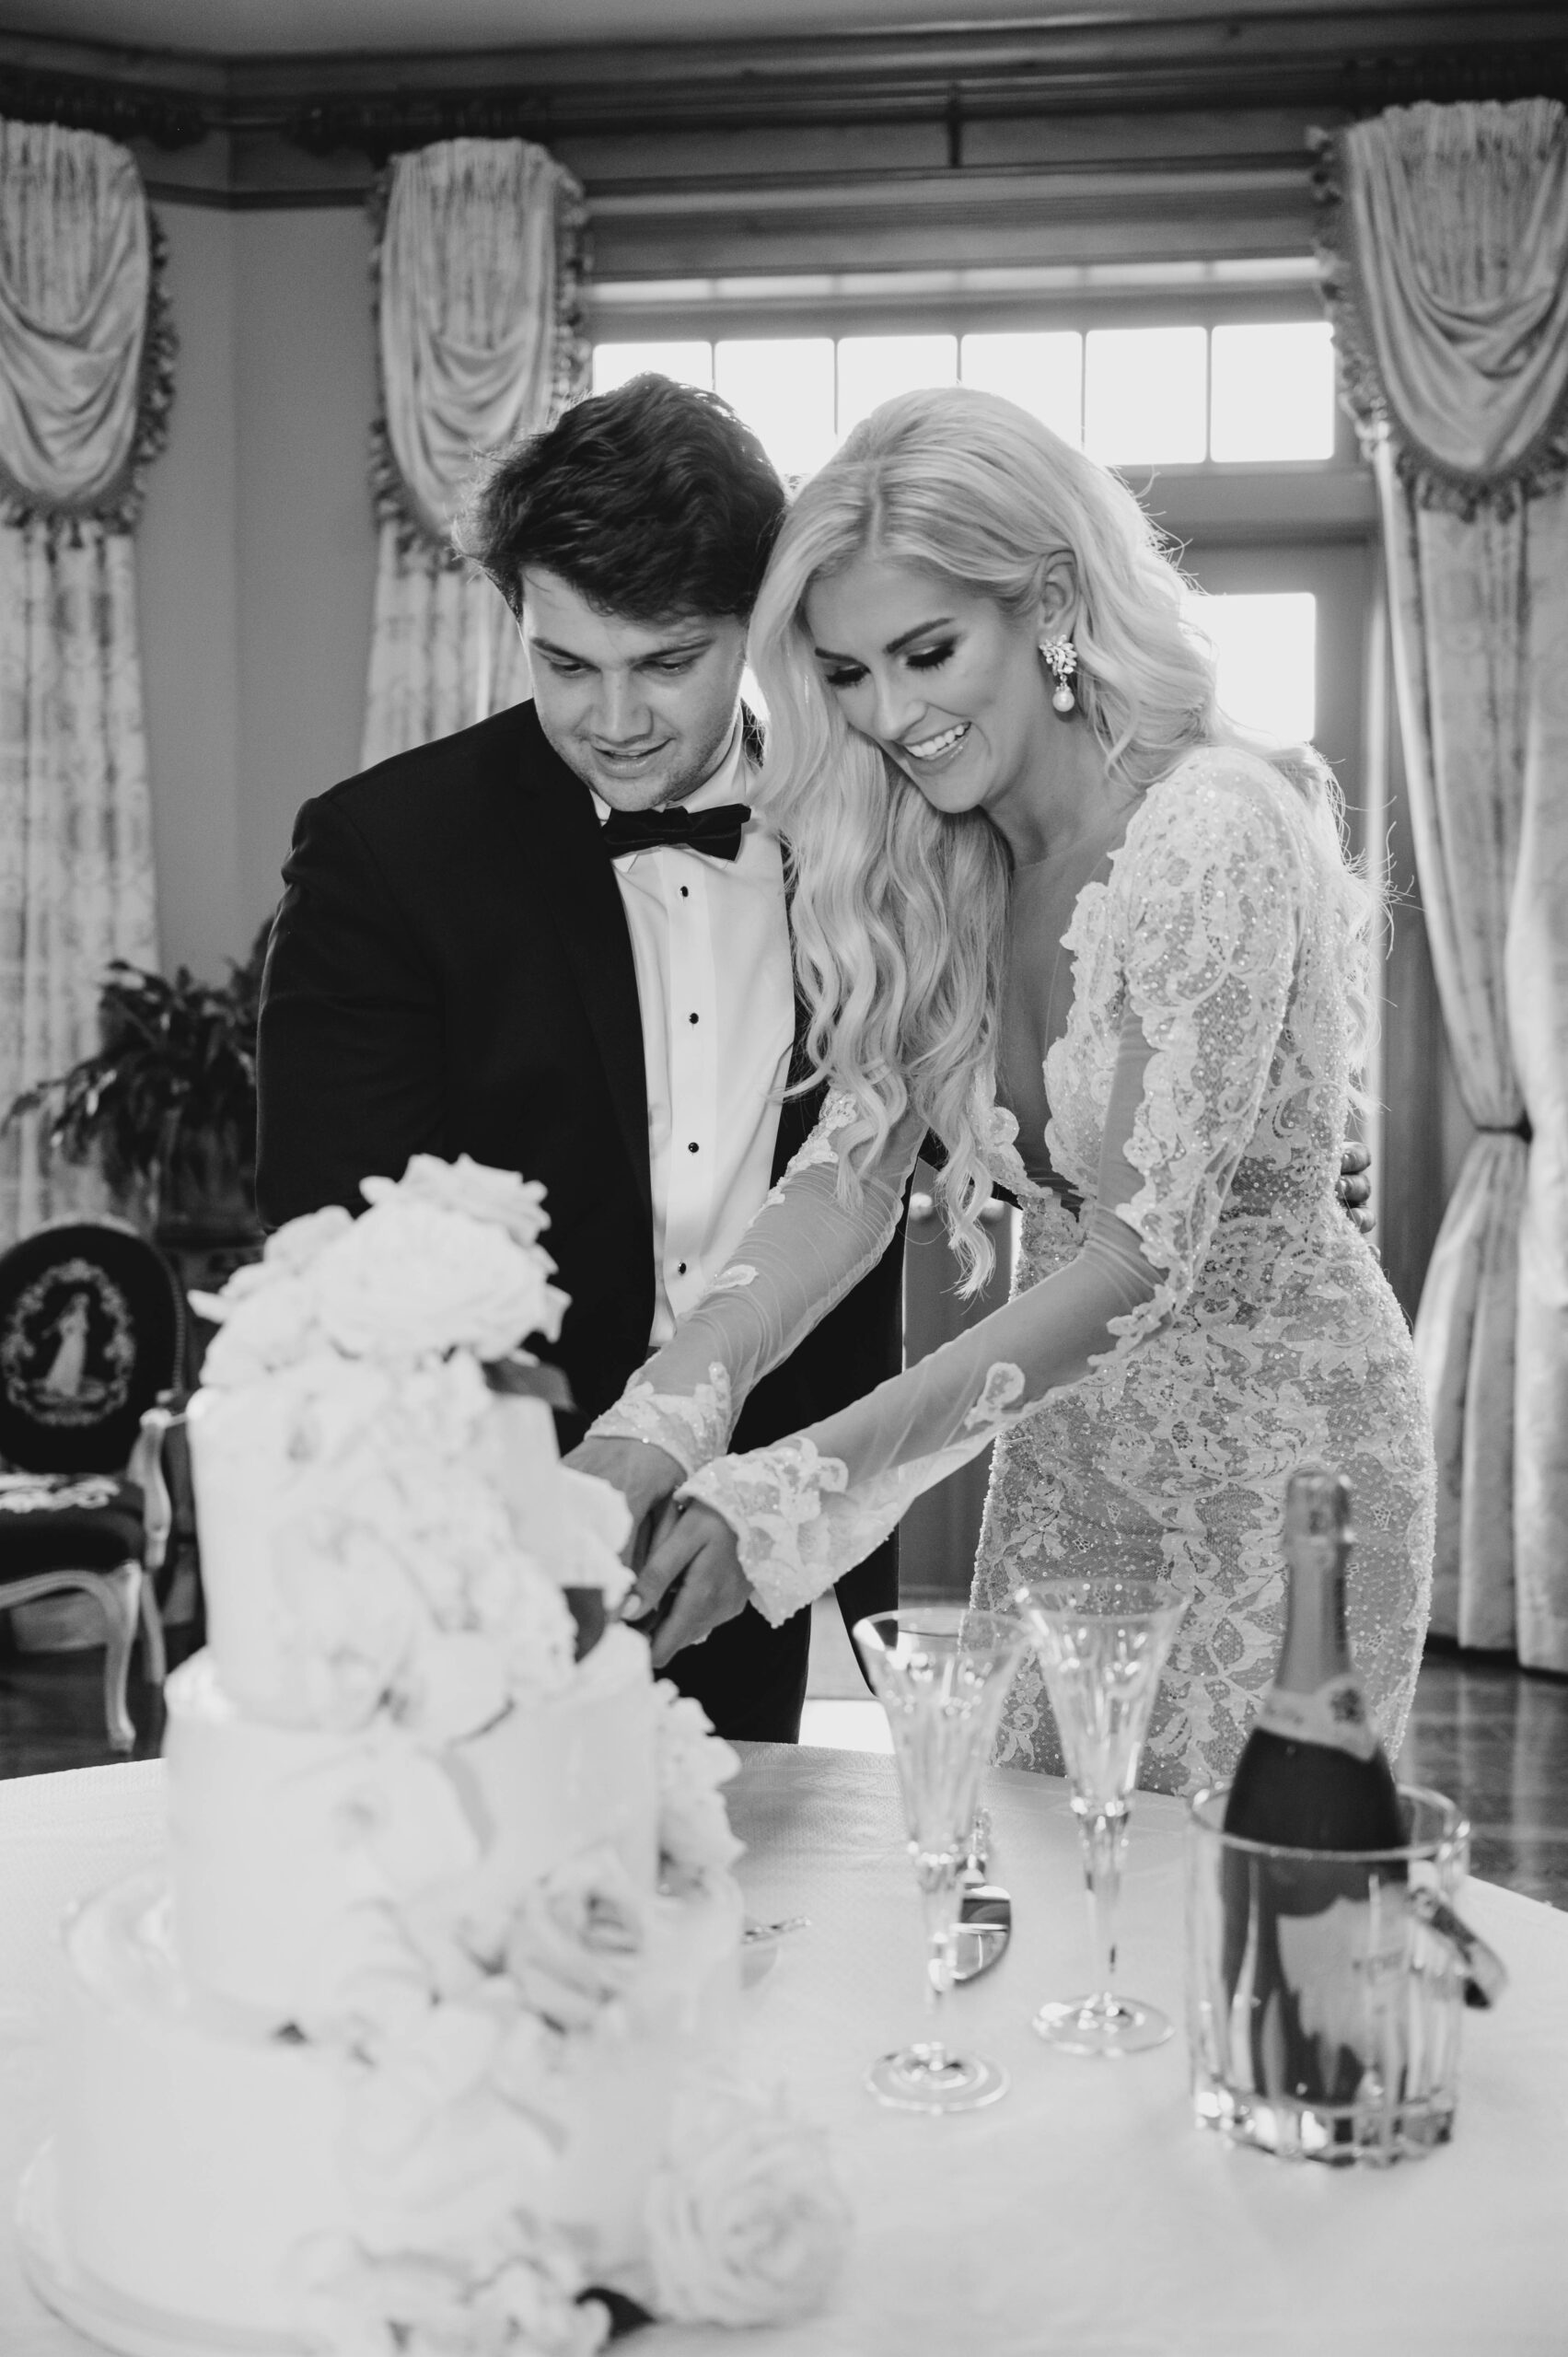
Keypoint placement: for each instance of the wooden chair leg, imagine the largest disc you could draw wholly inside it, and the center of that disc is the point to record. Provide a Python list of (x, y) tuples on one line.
[(151, 1634), (121, 1593), (120, 1596)]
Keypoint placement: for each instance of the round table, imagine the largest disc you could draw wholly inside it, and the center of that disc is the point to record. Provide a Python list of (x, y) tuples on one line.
[(1084, 2213)]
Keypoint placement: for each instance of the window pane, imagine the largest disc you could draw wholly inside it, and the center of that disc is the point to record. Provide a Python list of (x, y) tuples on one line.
[(1145, 395), (1042, 372), (1266, 647), (617, 364), (1273, 392), (783, 386), (872, 368)]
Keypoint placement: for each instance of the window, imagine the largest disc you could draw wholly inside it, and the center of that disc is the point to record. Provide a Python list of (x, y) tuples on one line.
[(872, 368), (617, 364), (1265, 646), (1145, 396), (1043, 373), (1250, 394), (1272, 391), (783, 386)]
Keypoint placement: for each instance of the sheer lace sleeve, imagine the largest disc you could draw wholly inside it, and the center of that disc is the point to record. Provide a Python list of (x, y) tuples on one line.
[(1208, 967), (800, 1256), (1213, 925)]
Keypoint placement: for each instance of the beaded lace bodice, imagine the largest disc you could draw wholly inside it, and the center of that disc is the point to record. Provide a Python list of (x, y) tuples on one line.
[(1195, 1322)]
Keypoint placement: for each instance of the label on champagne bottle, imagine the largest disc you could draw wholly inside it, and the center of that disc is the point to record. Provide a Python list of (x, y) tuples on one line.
[(1334, 1716)]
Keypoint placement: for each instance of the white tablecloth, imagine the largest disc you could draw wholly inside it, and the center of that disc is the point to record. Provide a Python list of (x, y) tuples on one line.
[(1084, 2213)]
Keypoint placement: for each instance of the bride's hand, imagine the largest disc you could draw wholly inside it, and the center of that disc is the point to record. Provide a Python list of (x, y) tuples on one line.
[(696, 1546)]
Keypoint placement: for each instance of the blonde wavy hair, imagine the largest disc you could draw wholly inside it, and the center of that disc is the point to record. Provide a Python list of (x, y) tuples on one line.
[(900, 912)]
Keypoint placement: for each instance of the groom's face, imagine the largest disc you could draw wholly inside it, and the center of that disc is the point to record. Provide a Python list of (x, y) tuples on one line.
[(642, 712)]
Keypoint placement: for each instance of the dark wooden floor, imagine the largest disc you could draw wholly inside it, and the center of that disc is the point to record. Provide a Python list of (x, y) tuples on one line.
[(51, 1708), (1493, 1736)]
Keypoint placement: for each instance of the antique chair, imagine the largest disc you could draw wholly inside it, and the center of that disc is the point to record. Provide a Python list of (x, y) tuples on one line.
[(91, 1330)]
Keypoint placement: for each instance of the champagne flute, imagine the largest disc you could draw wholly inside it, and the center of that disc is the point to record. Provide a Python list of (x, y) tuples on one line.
[(941, 1672), (1102, 1643)]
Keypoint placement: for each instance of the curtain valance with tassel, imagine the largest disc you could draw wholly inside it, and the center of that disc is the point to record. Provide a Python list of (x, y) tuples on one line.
[(1444, 238), (85, 351), (86, 380), (479, 276)]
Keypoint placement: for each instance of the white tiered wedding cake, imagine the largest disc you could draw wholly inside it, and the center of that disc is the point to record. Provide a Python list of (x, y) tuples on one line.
[(421, 2040)]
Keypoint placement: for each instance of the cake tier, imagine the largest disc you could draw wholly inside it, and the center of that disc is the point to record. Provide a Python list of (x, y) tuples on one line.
[(200, 2158), (282, 1837), (335, 1487), (265, 1458)]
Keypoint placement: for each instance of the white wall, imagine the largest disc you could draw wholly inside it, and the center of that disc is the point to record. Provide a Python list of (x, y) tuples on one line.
[(256, 557)]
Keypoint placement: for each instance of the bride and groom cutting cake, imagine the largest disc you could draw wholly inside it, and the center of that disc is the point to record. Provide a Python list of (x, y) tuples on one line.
[(1050, 919), (424, 2038)]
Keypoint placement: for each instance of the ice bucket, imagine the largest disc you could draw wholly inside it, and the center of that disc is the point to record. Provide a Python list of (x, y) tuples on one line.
[(1325, 1988)]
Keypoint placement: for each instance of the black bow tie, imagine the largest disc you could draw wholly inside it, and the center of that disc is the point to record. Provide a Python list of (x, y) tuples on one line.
[(717, 832)]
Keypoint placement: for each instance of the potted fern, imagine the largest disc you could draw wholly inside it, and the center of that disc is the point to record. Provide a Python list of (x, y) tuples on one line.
[(167, 1102)]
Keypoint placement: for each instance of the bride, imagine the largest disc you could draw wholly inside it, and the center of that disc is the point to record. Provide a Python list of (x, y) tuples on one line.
[(1051, 909)]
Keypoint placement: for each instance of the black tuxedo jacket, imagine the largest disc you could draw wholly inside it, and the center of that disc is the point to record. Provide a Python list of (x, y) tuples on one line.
[(450, 972)]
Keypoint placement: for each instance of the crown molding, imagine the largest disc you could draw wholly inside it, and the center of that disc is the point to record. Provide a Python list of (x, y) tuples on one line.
[(1343, 61)]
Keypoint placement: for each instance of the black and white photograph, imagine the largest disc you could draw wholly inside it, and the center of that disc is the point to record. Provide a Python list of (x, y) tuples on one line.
[(784, 1178)]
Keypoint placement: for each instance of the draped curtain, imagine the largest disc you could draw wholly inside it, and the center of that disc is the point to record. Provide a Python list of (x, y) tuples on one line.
[(85, 381), (478, 273), (1445, 250)]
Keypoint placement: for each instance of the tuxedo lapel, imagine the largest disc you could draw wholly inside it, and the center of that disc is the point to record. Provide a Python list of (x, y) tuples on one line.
[(574, 884), (797, 1115)]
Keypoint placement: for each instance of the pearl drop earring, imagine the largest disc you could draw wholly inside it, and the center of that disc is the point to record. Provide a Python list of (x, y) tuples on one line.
[(1062, 658)]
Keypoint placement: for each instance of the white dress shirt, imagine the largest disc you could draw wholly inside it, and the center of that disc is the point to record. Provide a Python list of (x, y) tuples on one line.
[(709, 940)]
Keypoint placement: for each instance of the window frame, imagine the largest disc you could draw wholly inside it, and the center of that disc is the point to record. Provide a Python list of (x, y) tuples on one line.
[(673, 318)]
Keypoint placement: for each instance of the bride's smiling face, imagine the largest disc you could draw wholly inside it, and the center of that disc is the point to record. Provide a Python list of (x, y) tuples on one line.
[(947, 684)]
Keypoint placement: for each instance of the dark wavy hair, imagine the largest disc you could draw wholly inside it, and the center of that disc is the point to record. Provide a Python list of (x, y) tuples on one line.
[(650, 501)]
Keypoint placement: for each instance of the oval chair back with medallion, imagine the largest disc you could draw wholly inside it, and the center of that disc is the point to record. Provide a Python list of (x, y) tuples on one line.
[(91, 1336)]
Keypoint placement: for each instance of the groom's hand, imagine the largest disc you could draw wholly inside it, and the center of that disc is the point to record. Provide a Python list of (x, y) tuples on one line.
[(646, 1477), (1354, 1186), (696, 1548)]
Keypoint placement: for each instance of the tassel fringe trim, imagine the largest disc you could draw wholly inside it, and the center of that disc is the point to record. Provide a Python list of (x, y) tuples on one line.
[(1429, 481), (390, 498)]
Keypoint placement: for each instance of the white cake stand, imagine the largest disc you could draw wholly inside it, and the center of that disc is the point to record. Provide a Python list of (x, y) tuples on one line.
[(103, 2314)]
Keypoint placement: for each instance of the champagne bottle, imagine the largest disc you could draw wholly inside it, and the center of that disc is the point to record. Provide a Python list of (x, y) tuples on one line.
[(1302, 1939)]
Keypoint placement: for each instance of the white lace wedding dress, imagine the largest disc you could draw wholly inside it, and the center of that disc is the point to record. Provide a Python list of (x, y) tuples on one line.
[(1206, 1323)]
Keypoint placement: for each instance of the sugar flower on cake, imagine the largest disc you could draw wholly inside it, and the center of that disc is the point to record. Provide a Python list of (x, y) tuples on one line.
[(411, 1278), (404, 1588), (273, 1326), (456, 1684), (500, 1197), (575, 1942), (692, 1763), (406, 1812), (294, 1247), (353, 1619), (528, 2303), (597, 1523), (436, 1412), (530, 1624), (746, 2222), (281, 1327), (368, 1987), (447, 1258), (435, 2156)]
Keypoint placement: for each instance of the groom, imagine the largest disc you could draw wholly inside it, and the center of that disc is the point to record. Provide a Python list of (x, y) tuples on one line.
[(558, 941)]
